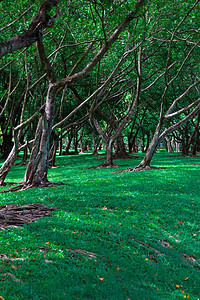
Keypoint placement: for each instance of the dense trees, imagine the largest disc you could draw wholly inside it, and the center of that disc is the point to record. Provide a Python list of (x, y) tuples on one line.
[(117, 68)]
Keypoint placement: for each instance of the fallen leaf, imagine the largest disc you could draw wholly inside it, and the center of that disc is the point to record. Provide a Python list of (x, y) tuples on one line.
[(101, 279)]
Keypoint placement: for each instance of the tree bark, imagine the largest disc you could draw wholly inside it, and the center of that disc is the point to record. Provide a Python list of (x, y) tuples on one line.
[(40, 21), (169, 145), (109, 155), (39, 162), (152, 148), (52, 155), (121, 149)]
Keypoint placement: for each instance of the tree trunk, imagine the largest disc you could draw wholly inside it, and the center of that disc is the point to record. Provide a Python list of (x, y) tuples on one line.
[(95, 152), (37, 168), (7, 165), (95, 144), (7, 144), (25, 155), (195, 146), (185, 149), (81, 142), (169, 145), (178, 150), (148, 142), (121, 149), (109, 154), (143, 143), (70, 137), (152, 148), (76, 143), (60, 145), (52, 156)]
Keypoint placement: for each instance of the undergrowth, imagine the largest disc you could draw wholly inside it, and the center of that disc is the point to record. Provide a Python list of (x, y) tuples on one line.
[(112, 236)]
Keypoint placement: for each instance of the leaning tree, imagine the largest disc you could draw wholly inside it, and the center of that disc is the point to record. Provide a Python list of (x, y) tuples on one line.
[(80, 67)]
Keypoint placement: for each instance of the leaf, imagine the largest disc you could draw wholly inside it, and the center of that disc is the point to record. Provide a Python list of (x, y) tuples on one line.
[(101, 279)]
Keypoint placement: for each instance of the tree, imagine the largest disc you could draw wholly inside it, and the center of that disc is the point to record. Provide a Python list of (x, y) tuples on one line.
[(37, 168), (177, 66)]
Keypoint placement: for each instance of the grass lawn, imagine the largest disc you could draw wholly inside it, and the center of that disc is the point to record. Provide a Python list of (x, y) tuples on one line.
[(112, 236)]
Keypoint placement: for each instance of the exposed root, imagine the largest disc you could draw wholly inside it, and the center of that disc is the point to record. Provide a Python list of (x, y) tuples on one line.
[(125, 156), (10, 183), (18, 215), (22, 163), (15, 279), (105, 166), (138, 168), (86, 254), (122, 157), (23, 186)]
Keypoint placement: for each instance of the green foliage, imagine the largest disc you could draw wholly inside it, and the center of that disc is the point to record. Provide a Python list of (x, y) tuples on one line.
[(140, 232)]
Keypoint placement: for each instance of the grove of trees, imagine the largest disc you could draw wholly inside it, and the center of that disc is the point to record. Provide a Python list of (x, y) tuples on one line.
[(109, 72)]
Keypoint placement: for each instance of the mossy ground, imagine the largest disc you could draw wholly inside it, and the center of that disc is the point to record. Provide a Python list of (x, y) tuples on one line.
[(139, 232)]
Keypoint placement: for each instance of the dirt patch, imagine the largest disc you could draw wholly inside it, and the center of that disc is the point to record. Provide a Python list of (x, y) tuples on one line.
[(18, 215)]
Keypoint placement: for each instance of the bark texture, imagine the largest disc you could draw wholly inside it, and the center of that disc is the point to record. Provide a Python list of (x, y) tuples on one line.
[(41, 20)]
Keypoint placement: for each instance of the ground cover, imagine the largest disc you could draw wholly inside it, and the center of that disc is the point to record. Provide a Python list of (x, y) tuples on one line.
[(112, 235)]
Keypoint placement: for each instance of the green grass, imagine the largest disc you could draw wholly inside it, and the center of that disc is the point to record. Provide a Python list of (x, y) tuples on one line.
[(139, 226)]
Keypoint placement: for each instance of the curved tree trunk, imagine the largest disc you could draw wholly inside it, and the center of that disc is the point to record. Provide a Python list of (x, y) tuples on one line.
[(37, 168), (97, 144), (121, 149), (7, 165), (152, 148)]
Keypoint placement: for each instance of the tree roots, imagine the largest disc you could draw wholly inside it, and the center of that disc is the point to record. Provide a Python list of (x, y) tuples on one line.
[(18, 215), (138, 168), (24, 186)]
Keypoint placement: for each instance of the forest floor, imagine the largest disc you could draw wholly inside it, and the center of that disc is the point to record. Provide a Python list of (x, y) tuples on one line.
[(131, 235)]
